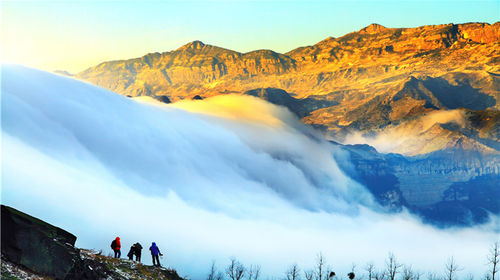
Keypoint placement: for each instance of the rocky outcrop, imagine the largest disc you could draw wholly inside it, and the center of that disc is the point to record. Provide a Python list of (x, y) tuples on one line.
[(34, 249), (164, 99), (41, 247), (373, 29), (480, 32)]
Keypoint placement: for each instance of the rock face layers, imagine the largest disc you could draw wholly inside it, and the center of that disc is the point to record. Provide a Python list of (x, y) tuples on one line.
[(450, 187)]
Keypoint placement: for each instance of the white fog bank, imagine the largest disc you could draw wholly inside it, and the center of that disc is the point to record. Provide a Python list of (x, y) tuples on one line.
[(419, 136), (206, 180)]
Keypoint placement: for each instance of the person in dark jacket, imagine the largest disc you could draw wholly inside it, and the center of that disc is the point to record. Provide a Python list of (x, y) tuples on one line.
[(155, 253), (138, 251), (116, 246), (131, 252)]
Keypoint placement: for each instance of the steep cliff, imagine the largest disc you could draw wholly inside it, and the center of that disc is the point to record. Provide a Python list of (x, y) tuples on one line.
[(449, 187)]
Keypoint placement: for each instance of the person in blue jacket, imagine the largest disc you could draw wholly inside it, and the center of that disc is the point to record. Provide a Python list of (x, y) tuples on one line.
[(155, 253)]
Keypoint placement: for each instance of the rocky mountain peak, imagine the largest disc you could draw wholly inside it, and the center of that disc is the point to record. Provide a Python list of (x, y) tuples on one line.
[(373, 28), (195, 45)]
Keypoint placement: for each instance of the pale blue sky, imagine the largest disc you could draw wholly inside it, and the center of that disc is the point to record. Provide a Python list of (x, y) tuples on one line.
[(73, 35)]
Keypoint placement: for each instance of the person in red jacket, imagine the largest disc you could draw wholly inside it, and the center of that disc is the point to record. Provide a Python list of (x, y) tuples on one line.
[(116, 245)]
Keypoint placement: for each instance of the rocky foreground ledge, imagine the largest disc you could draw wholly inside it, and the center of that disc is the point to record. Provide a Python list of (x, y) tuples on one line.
[(34, 249)]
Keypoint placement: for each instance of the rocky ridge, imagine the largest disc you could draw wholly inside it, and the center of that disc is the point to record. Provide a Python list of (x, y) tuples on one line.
[(314, 70), (363, 81)]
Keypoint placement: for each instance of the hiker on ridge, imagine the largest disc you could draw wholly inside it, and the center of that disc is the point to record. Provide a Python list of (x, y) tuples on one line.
[(138, 251), (116, 245), (155, 251), (131, 252)]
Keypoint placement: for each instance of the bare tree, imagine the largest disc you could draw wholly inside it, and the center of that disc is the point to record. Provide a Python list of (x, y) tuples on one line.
[(293, 272), (380, 275), (451, 268), (408, 273), (494, 259), (235, 270), (320, 267), (213, 272), (370, 268), (309, 274), (392, 266), (253, 272)]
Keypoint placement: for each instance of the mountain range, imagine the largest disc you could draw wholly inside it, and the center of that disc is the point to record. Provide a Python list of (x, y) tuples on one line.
[(365, 81), (426, 98)]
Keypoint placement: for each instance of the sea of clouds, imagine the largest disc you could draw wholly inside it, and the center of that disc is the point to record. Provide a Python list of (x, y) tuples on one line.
[(229, 176), (411, 137)]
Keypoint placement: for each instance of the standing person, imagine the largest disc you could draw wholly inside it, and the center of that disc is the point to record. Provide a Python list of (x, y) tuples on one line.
[(155, 251), (116, 245), (131, 252), (138, 251)]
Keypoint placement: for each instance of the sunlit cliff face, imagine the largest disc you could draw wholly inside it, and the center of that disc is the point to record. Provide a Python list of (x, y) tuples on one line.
[(205, 180)]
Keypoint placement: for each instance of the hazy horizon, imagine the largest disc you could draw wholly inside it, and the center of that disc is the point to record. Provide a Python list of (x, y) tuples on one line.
[(75, 35)]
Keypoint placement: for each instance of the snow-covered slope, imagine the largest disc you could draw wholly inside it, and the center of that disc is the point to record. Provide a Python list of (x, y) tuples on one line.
[(226, 176)]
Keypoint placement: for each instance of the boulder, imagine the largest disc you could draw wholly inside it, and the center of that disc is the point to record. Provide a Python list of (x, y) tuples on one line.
[(40, 247)]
